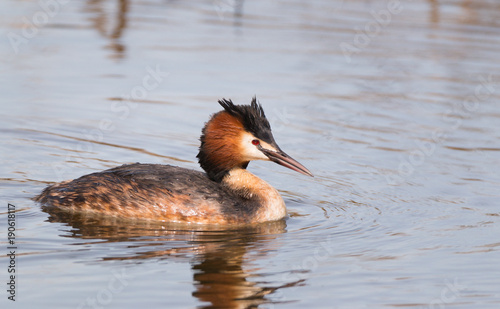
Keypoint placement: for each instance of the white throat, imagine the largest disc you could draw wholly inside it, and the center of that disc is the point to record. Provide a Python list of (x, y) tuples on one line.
[(247, 185)]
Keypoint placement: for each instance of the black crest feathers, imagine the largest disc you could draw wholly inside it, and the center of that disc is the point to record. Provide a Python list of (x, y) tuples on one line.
[(252, 116)]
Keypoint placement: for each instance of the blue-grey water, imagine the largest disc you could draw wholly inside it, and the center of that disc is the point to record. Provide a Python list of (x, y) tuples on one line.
[(393, 105)]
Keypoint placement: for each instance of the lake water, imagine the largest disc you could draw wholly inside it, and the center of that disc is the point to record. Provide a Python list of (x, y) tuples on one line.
[(393, 105)]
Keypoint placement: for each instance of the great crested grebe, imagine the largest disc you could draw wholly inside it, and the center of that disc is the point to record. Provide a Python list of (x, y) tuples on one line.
[(226, 194)]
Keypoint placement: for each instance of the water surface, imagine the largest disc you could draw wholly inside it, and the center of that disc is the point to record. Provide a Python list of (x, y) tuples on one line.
[(394, 108)]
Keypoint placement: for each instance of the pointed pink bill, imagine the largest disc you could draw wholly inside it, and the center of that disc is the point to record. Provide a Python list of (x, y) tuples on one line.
[(283, 159)]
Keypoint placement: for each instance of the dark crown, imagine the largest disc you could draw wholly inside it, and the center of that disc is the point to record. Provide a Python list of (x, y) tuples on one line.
[(252, 117)]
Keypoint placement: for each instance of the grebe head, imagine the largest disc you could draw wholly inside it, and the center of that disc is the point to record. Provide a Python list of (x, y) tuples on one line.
[(237, 135)]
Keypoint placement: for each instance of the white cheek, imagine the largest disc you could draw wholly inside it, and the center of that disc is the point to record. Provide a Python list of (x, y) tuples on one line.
[(250, 151)]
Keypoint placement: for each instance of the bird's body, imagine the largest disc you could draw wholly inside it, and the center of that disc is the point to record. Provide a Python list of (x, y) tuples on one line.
[(226, 194), (169, 193)]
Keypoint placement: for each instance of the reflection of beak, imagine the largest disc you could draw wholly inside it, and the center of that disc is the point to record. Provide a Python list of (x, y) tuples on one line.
[(283, 159)]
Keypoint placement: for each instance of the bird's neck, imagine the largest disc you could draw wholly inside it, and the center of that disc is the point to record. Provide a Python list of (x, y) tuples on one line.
[(250, 187)]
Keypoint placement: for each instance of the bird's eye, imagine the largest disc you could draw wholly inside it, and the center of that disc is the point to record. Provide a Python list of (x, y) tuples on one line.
[(255, 142)]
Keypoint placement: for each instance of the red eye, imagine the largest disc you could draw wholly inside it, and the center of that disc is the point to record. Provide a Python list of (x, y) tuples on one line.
[(255, 142)]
